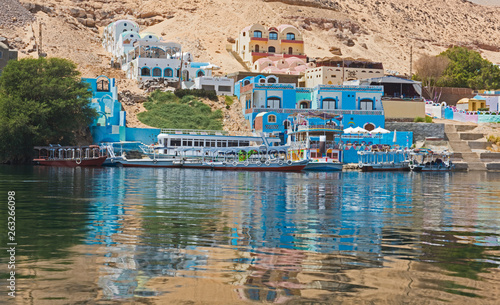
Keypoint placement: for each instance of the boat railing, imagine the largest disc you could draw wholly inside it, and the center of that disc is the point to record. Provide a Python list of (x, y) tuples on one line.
[(206, 132)]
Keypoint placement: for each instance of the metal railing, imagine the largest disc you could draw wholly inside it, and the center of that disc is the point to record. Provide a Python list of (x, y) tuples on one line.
[(205, 132)]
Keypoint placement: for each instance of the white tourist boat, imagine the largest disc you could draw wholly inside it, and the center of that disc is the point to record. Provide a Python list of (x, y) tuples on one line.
[(384, 159), (316, 143)]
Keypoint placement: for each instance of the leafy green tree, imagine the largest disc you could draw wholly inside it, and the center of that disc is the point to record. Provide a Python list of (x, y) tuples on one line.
[(166, 110), (467, 69), (42, 101)]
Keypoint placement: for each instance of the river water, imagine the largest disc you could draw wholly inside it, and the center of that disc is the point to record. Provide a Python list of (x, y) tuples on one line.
[(178, 236)]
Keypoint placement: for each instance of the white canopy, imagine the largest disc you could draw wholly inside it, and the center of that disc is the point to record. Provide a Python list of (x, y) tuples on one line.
[(359, 130), (348, 130), (379, 130)]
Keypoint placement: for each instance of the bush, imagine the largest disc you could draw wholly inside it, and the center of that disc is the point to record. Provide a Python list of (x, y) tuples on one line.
[(419, 120), (166, 110), (210, 94), (483, 109), (229, 101), (428, 119)]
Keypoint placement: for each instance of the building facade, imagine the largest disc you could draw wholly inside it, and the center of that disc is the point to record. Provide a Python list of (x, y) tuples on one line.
[(256, 41), (145, 56), (268, 104), (335, 71)]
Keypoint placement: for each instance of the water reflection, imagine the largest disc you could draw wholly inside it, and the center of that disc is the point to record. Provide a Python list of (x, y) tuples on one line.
[(265, 237)]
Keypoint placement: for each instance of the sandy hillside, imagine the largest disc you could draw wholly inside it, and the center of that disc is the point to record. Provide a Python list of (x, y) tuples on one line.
[(378, 30)]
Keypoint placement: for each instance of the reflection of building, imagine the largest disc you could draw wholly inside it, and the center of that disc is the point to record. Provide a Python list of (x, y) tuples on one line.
[(256, 41), (336, 70), (6, 54), (267, 104)]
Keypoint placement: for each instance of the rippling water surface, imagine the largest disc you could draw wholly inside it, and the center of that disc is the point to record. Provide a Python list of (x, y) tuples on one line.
[(173, 236)]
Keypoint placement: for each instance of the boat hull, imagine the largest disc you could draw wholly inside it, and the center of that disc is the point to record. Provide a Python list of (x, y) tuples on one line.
[(324, 166), (370, 168), (432, 169), (263, 167), (94, 162), (150, 163)]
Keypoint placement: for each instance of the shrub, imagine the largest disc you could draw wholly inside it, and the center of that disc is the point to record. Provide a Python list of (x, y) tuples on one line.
[(419, 120), (229, 101), (428, 119), (483, 109), (166, 110), (210, 94)]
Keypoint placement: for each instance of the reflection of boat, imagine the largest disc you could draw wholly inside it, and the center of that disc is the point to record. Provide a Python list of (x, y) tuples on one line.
[(390, 160), (316, 143), (425, 160), (70, 156)]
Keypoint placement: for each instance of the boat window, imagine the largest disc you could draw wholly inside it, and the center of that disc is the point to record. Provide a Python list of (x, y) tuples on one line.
[(189, 143), (196, 143), (175, 142), (244, 143)]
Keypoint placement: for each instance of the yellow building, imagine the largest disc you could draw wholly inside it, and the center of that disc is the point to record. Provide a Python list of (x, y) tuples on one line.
[(336, 70), (256, 41), (471, 104)]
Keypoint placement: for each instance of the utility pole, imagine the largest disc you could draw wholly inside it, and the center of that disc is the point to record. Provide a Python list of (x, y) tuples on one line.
[(411, 61)]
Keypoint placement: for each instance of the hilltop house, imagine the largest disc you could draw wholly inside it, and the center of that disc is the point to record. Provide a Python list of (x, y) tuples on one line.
[(268, 104), (256, 41), (145, 56), (6, 54), (336, 70)]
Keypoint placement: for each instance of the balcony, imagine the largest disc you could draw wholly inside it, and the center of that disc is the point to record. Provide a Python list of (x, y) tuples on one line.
[(265, 54), (292, 41), (258, 39)]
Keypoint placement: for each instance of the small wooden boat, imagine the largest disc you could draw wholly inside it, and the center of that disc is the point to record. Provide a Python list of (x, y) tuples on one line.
[(70, 156), (276, 166)]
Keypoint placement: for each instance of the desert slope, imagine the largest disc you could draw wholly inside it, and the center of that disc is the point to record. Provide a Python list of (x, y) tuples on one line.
[(374, 29)]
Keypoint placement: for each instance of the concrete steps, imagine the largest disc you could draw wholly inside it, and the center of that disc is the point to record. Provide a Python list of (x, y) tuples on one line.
[(462, 144), (239, 59)]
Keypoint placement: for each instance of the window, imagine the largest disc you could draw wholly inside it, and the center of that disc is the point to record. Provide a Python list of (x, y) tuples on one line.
[(274, 102), (168, 72), (369, 126), (145, 71), (246, 82), (102, 84), (271, 80), (329, 103), (157, 72), (290, 50), (272, 50), (271, 118), (225, 88), (262, 80), (200, 74), (244, 33), (273, 36), (304, 105), (366, 104), (257, 34), (290, 36)]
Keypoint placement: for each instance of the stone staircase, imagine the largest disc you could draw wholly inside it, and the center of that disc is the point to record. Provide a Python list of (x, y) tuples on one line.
[(462, 143), (236, 56)]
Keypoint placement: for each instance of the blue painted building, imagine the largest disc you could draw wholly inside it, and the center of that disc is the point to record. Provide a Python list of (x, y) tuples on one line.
[(267, 104), (110, 126)]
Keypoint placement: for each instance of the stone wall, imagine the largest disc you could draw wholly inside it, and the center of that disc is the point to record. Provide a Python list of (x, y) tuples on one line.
[(420, 130)]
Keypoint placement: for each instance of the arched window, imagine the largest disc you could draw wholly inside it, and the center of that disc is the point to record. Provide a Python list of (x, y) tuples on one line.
[(271, 50), (246, 82), (102, 84), (271, 80), (366, 104), (290, 50), (369, 126), (168, 72), (329, 103), (271, 118), (273, 36), (304, 105), (286, 124), (156, 72), (200, 73), (274, 102), (257, 48), (262, 80), (244, 34), (145, 71), (290, 36), (257, 34)]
